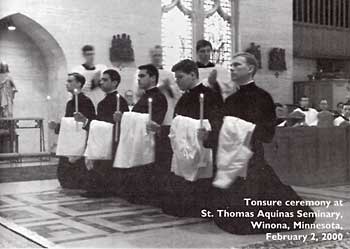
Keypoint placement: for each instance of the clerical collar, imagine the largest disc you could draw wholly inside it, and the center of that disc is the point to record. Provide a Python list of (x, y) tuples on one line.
[(113, 91), (201, 65), (87, 67), (247, 85), (151, 89), (304, 109), (194, 87)]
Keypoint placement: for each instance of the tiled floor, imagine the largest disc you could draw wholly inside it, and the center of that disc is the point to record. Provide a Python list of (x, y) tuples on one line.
[(69, 220)]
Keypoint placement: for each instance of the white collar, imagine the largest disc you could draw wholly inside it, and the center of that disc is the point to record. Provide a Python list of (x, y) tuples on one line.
[(247, 83)]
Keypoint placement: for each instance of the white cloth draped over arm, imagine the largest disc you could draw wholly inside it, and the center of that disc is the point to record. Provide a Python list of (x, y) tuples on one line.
[(100, 141), (233, 151), (190, 159), (136, 147), (223, 79), (71, 139)]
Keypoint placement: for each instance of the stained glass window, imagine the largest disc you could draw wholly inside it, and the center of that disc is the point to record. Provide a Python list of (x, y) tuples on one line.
[(218, 32), (177, 32), (176, 35)]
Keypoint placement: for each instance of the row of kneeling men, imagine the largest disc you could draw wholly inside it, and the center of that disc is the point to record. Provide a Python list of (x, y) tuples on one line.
[(210, 157)]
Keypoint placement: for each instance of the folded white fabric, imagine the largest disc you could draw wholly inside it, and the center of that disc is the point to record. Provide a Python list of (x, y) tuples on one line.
[(71, 139), (233, 151), (136, 147), (100, 141), (190, 159), (223, 79)]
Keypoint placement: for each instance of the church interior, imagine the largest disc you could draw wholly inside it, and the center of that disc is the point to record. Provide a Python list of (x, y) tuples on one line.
[(303, 53)]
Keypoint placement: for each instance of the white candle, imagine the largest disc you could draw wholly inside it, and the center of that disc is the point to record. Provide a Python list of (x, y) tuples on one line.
[(49, 110), (76, 106), (118, 102), (150, 108), (117, 123), (201, 109), (76, 100)]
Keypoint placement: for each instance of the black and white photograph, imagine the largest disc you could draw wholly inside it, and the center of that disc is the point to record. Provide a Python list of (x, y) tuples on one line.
[(175, 124)]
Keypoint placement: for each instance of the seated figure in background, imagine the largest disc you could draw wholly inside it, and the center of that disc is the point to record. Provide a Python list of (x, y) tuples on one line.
[(310, 113), (339, 109), (129, 96), (343, 119), (325, 117)]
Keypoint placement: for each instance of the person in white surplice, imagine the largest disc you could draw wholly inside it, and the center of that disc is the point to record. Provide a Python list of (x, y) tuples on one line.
[(92, 73)]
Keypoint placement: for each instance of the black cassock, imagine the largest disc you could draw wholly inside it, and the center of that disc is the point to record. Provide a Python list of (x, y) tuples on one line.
[(254, 105), (103, 177), (136, 184), (180, 197), (74, 175)]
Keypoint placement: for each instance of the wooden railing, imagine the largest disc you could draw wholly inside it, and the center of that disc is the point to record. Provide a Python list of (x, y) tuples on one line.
[(334, 13)]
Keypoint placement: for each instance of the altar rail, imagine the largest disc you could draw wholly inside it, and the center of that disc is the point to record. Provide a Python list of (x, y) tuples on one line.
[(310, 155)]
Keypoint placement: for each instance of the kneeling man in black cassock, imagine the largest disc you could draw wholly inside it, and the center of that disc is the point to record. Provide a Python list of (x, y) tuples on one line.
[(102, 175), (138, 184), (73, 174), (181, 197), (252, 104)]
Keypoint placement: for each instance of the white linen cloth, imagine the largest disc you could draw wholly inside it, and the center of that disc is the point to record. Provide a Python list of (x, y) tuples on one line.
[(310, 116), (223, 79), (190, 159), (71, 139), (100, 141), (136, 147), (233, 151)]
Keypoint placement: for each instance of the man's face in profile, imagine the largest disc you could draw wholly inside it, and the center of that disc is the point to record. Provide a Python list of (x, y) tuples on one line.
[(346, 111)]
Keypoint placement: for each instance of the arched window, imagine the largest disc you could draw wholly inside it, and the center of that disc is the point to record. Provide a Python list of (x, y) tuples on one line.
[(176, 34), (218, 31), (184, 22)]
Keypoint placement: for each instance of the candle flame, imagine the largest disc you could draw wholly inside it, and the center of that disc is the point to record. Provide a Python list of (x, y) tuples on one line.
[(48, 97), (150, 100), (75, 91)]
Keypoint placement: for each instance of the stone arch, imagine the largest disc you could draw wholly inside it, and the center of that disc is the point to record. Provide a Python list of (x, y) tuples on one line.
[(55, 64)]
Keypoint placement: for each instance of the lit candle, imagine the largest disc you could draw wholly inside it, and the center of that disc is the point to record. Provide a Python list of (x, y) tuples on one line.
[(49, 110), (201, 109), (118, 102), (76, 106), (76, 100), (150, 108), (117, 123)]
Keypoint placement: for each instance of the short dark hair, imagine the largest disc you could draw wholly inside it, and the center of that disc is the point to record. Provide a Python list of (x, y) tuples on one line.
[(187, 66), (203, 43), (113, 74), (79, 77), (277, 104), (87, 48), (340, 103), (250, 59), (151, 70)]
